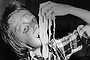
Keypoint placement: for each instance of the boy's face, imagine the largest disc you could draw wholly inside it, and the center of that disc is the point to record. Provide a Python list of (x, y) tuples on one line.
[(27, 30)]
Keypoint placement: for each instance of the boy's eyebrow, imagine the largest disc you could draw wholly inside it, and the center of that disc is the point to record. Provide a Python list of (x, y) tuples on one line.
[(27, 23)]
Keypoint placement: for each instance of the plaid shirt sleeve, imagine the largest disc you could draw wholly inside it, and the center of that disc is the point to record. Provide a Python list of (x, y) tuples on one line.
[(64, 47)]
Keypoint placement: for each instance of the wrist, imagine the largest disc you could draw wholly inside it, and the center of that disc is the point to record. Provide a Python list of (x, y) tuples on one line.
[(71, 10)]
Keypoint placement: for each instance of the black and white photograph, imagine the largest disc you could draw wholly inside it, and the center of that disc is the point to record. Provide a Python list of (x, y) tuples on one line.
[(44, 30)]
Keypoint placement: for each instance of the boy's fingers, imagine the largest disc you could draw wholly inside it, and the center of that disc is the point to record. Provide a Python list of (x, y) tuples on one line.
[(44, 4)]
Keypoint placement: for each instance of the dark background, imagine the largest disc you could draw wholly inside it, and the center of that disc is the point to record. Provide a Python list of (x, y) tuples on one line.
[(64, 25)]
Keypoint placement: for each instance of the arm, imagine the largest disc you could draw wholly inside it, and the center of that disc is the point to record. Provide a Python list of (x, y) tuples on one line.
[(81, 13), (55, 9)]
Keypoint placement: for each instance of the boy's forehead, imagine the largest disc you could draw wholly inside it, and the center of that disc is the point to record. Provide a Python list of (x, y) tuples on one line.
[(17, 17)]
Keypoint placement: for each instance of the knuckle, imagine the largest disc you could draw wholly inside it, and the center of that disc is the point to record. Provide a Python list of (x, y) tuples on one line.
[(45, 3), (49, 1)]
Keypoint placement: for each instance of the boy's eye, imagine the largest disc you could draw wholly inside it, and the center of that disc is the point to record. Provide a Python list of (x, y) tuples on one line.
[(26, 29), (33, 20)]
